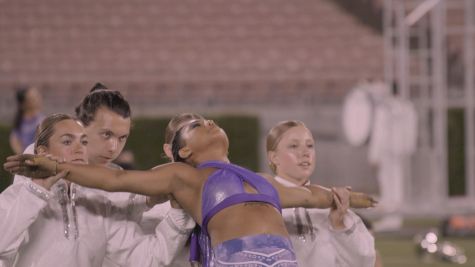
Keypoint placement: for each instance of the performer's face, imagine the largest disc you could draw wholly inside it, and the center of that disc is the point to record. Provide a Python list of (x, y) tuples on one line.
[(107, 135), (294, 156), (68, 142), (204, 136)]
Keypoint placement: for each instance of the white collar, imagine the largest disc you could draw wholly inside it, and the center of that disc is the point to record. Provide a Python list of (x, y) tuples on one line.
[(287, 182)]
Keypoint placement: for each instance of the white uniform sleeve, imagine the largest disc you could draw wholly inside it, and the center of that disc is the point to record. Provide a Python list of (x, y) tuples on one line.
[(128, 246), (354, 245), (20, 205)]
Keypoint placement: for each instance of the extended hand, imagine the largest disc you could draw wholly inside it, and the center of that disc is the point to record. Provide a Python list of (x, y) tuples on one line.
[(362, 200), (31, 166)]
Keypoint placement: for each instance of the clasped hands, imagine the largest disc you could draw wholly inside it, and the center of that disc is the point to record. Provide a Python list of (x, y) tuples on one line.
[(343, 199), (41, 169), (33, 166)]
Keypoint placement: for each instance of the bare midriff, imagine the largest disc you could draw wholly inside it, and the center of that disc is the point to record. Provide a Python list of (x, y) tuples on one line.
[(245, 219)]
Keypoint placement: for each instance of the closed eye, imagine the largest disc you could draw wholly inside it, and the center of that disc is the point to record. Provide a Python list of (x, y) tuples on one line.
[(193, 125)]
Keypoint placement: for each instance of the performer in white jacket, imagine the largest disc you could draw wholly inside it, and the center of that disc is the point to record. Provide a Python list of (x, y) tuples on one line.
[(49, 223), (321, 237), (105, 115)]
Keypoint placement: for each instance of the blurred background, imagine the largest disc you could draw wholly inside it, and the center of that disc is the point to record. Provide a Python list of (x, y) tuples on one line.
[(386, 86)]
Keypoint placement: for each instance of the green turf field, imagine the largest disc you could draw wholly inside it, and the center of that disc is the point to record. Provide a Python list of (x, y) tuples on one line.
[(400, 252)]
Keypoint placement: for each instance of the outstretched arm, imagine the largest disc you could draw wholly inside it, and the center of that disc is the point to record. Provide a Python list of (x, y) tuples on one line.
[(315, 196), (160, 180)]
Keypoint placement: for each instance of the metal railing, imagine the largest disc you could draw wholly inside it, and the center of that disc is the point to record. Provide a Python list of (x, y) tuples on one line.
[(429, 57)]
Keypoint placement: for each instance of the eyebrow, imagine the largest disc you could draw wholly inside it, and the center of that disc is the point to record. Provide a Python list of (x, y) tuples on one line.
[(107, 130), (67, 135), (301, 140), (192, 122), (187, 125)]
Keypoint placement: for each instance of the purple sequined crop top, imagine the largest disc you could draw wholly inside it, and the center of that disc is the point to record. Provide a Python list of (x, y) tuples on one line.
[(225, 187)]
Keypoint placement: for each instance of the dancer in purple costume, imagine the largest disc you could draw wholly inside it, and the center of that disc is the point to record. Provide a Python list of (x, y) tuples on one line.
[(238, 210)]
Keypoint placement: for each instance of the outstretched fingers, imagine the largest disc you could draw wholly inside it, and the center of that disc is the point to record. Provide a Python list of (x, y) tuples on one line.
[(27, 165), (361, 200), (373, 201), (13, 163)]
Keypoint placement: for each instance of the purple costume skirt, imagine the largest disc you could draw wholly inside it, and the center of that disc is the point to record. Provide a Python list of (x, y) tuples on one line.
[(255, 251)]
